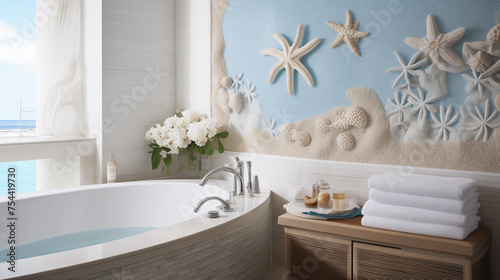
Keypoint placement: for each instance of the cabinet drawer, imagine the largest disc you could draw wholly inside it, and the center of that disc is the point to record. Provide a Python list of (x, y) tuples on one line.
[(378, 262), (318, 257)]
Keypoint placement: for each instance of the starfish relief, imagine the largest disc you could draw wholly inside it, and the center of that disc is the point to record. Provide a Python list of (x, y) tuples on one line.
[(289, 58), (422, 103), (347, 33), (398, 105), (480, 122), (438, 46), (444, 122), (409, 69)]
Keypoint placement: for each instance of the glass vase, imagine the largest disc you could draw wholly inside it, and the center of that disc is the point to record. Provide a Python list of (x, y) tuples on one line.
[(184, 167)]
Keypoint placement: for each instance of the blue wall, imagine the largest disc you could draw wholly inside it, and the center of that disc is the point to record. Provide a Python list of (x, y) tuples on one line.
[(249, 25)]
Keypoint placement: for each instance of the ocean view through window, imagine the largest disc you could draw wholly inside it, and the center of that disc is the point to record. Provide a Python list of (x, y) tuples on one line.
[(18, 85)]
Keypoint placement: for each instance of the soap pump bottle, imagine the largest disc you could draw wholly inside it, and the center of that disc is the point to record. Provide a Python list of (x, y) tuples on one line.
[(111, 169)]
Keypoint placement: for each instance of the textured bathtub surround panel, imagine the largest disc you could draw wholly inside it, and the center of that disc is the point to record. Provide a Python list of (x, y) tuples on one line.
[(138, 80), (238, 249), (240, 253), (283, 174)]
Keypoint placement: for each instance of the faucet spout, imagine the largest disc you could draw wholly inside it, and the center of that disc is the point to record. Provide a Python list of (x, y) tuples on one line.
[(220, 169), (225, 204)]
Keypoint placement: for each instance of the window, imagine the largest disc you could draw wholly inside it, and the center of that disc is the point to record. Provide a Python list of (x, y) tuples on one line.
[(17, 67), (18, 83), (42, 85)]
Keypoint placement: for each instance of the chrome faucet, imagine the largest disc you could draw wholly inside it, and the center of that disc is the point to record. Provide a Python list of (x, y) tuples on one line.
[(249, 183), (225, 204), (239, 169), (237, 176)]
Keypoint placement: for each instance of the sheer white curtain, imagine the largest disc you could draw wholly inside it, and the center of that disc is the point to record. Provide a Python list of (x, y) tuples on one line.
[(61, 108)]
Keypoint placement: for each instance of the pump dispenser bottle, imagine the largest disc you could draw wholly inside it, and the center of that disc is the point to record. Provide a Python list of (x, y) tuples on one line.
[(111, 169)]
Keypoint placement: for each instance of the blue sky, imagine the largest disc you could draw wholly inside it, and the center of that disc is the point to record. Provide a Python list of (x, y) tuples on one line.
[(17, 58)]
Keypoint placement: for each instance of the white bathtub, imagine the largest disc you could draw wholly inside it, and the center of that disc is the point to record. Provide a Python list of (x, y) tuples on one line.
[(165, 208)]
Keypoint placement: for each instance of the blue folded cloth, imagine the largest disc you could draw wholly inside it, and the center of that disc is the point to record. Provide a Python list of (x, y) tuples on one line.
[(355, 212)]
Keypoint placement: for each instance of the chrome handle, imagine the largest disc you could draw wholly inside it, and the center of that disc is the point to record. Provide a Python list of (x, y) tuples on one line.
[(249, 184), (239, 168)]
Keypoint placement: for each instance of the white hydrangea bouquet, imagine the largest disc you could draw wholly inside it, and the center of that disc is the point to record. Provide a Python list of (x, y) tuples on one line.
[(186, 131)]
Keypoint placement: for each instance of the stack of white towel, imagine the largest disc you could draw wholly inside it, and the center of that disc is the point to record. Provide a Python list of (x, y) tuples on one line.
[(429, 205)]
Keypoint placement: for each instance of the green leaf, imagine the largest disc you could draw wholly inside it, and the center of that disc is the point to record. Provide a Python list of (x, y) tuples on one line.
[(210, 151), (155, 160), (222, 135), (221, 147), (204, 150), (153, 145), (167, 160)]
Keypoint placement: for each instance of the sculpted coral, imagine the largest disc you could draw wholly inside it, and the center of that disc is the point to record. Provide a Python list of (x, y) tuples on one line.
[(293, 135), (346, 141), (354, 116), (325, 125)]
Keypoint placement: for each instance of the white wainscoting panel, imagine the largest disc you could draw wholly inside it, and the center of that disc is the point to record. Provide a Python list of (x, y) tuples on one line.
[(282, 174), (138, 89)]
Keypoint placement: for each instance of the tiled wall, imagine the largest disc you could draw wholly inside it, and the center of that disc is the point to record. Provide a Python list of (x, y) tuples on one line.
[(242, 252), (193, 55), (140, 37), (138, 80)]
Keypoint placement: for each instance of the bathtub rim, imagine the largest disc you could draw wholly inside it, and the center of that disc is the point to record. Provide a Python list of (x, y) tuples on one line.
[(148, 244)]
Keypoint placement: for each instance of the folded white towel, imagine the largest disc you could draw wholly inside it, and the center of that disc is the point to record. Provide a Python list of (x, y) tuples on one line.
[(412, 214), (419, 228), (466, 205), (423, 185)]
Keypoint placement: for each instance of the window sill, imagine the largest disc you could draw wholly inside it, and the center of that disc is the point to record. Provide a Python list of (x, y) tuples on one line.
[(32, 148)]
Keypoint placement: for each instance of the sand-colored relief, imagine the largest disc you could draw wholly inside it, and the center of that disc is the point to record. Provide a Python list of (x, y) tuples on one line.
[(347, 33), (289, 58), (371, 142)]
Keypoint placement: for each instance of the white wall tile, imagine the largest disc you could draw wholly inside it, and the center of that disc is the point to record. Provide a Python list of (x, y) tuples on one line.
[(193, 25), (138, 39)]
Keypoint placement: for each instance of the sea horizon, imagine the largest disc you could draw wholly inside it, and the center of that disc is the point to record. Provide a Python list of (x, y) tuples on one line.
[(26, 170), (14, 124)]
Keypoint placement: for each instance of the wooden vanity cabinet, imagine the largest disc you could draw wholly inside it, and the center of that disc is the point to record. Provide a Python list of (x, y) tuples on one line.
[(344, 249)]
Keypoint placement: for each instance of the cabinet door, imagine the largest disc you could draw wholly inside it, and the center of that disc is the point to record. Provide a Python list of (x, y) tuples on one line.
[(317, 256), (378, 262)]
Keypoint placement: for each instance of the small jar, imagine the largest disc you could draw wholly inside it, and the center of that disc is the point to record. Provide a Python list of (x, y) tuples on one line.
[(323, 186), (338, 197), (324, 200), (315, 190), (324, 194)]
